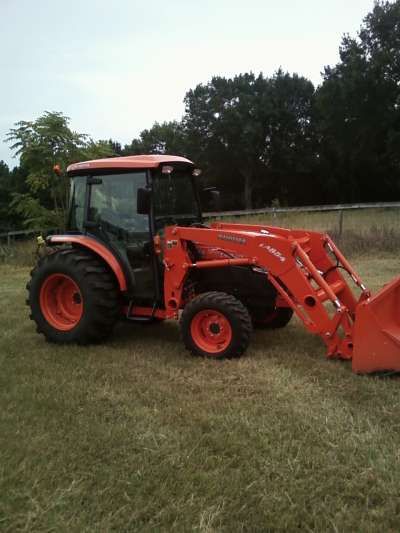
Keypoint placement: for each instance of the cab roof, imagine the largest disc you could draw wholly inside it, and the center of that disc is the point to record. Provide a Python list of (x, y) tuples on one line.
[(131, 161)]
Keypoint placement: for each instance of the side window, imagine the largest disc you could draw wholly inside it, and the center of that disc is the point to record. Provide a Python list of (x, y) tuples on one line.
[(113, 202), (77, 203)]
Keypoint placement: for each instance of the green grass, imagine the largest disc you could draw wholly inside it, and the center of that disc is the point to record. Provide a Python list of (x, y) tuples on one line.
[(136, 435), (19, 253)]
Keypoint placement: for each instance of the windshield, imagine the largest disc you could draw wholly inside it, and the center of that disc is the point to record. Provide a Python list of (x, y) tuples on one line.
[(175, 197), (112, 203)]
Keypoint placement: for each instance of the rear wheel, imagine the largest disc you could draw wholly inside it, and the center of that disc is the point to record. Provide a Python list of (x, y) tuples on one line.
[(275, 319), (216, 325), (73, 297)]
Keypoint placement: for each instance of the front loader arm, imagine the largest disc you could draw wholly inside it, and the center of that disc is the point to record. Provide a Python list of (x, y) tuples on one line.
[(287, 266)]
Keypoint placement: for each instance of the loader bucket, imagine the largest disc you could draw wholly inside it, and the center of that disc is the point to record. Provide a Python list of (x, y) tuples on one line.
[(376, 336)]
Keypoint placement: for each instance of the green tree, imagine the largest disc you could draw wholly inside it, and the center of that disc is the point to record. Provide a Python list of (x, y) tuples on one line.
[(115, 147), (252, 130), (358, 112), (41, 144), (165, 138), (289, 139), (11, 182), (4, 196)]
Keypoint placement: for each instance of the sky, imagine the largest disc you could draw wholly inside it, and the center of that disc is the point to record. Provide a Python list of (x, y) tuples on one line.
[(117, 66)]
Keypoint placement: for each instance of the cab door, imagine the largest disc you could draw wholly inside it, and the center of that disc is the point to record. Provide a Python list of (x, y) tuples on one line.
[(113, 215)]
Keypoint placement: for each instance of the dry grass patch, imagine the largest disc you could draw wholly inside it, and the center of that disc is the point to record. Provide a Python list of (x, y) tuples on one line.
[(364, 231)]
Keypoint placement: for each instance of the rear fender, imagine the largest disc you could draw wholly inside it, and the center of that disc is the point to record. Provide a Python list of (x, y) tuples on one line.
[(97, 248)]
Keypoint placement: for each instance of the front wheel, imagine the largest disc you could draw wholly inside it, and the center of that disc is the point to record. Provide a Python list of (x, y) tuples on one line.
[(216, 325)]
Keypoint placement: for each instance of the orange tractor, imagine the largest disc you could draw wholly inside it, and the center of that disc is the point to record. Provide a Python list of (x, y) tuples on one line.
[(137, 247)]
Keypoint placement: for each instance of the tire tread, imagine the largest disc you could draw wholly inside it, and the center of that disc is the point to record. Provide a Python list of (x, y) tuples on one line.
[(95, 278)]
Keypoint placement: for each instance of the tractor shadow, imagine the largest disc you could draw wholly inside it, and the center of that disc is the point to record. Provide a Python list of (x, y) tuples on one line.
[(128, 333)]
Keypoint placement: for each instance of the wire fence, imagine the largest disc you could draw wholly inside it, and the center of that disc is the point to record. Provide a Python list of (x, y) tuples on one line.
[(304, 209), (336, 210), (10, 236)]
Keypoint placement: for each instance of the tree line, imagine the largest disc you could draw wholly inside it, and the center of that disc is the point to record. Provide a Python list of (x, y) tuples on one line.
[(261, 140)]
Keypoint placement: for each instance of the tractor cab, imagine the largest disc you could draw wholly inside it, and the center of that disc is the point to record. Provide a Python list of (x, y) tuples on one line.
[(124, 202)]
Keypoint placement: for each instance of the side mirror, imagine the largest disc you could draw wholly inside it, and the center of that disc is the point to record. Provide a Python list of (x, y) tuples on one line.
[(212, 198), (143, 201)]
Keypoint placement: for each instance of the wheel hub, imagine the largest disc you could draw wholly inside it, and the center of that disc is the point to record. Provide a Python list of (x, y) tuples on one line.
[(211, 331), (214, 328), (61, 302), (77, 298)]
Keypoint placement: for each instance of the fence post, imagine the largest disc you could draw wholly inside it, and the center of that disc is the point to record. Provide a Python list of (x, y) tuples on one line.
[(340, 222), (8, 239)]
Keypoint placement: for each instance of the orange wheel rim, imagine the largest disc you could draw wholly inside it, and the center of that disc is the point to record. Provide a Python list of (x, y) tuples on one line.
[(211, 331), (61, 302)]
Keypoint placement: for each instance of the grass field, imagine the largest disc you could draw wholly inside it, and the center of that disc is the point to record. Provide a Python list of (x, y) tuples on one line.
[(136, 435), (360, 220)]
